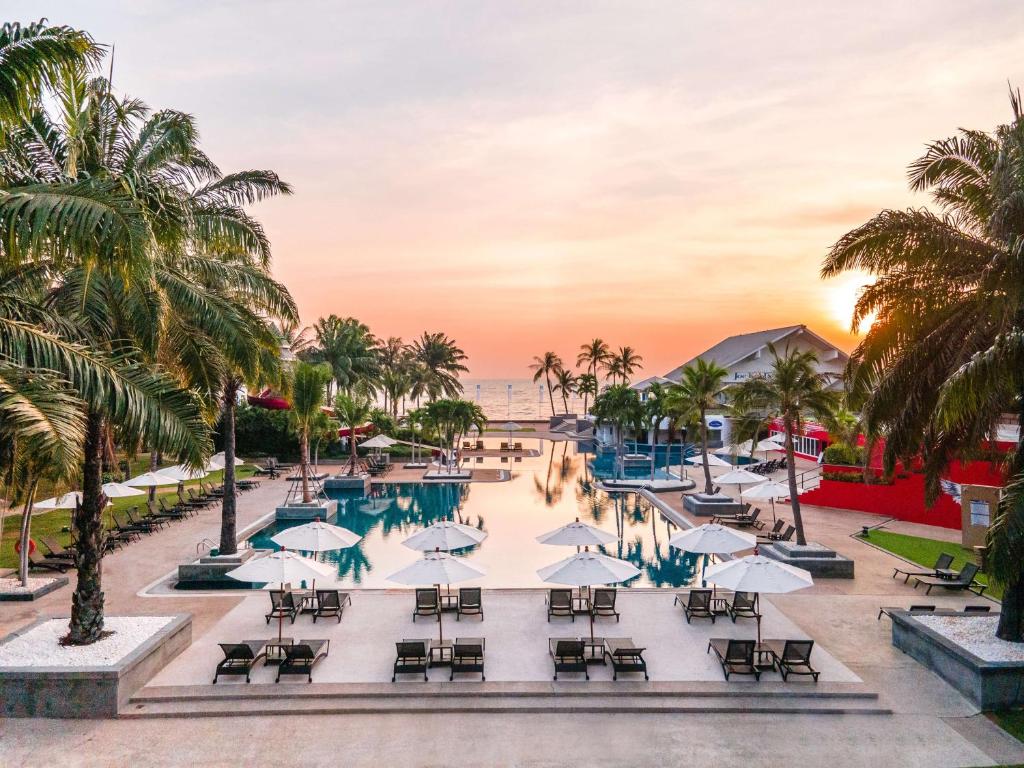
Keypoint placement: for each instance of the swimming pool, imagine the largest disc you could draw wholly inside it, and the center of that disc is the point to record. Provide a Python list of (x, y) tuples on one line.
[(545, 492)]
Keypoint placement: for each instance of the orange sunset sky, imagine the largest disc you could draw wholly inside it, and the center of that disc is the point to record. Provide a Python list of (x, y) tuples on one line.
[(526, 176)]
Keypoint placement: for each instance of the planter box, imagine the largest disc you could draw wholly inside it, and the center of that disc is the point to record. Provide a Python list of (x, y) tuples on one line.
[(703, 505), (987, 684), (819, 560), (311, 511), (358, 483), (207, 572), (89, 691), (34, 593)]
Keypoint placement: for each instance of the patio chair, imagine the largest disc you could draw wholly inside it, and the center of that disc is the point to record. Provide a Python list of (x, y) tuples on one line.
[(122, 526), (470, 603), (743, 606), (604, 603), (786, 535), (887, 610), (240, 658), (282, 605), (479, 445), (962, 581), (466, 445), (518, 447), (330, 603), (36, 560), (300, 658), (560, 603), (176, 512), (468, 656), (567, 655), (428, 603), (696, 604), (412, 658), (735, 656), (745, 521), (55, 550), (191, 503), (793, 657), (625, 655), (144, 524), (942, 563)]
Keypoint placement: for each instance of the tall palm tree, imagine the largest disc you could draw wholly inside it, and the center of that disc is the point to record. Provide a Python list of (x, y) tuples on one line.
[(441, 360), (451, 419), (352, 411), (595, 354), (351, 350), (624, 363), (943, 360), (654, 412), (697, 392), (586, 385), (308, 395), (620, 406), (543, 367), (395, 379), (565, 385)]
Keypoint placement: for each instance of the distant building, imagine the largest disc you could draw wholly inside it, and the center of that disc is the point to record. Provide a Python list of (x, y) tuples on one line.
[(643, 386)]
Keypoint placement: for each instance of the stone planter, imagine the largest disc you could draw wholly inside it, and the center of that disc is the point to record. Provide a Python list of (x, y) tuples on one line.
[(358, 483), (311, 511), (209, 572), (42, 586), (822, 562), (704, 505)]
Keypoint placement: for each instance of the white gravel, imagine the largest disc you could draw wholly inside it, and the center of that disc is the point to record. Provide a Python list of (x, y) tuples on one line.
[(13, 586), (40, 646), (975, 634)]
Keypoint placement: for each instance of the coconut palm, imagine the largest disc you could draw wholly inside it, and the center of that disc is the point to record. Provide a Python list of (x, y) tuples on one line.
[(586, 385), (698, 391), (543, 367), (353, 411), (440, 361), (594, 355), (308, 395), (619, 406), (395, 379), (565, 385), (942, 361), (349, 347), (624, 363), (654, 413), (451, 419)]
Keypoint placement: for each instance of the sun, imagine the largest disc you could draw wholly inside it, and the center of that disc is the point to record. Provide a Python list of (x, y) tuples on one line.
[(842, 294)]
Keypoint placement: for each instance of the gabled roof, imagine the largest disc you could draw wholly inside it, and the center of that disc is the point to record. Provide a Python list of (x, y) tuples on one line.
[(734, 349), (645, 384)]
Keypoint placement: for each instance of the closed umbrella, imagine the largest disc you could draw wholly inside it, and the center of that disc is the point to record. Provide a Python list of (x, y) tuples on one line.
[(712, 539), (438, 568), (585, 569)]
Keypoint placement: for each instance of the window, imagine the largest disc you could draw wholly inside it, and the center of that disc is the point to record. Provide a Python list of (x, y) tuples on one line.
[(980, 513)]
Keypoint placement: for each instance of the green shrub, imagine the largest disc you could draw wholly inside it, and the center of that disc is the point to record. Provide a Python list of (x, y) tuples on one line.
[(844, 454), (262, 432), (844, 477)]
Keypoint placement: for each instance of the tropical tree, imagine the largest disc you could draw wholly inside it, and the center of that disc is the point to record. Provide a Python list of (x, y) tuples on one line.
[(619, 406), (586, 385), (594, 355), (698, 391), (655, 412), (395, 379), (747, 413), (944, 359), (624, 363), (305, 417), (351, 350), (440, 362), (543, 367), (565, 385), (353, 411), (451, 419)]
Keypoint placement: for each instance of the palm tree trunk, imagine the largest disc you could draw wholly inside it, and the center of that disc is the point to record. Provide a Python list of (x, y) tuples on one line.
[(353, 454), (86, 624), (26, 532), (304, 461), (551, 395), (708, 487), (794, 498), (228, 504)]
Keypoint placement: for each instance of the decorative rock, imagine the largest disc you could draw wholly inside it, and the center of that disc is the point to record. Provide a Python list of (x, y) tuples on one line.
[(12, 591)]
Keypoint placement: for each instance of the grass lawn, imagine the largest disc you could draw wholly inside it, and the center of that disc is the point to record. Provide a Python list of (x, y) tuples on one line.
[(56, 522), (926, 551), (1011, 721)]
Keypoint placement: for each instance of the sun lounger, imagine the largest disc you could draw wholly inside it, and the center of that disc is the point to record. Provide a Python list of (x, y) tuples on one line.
[(412, 657), (696, 604), (55, 550), (123, 526), (240, 658), (470, 603), (942, 563), (887, 610), (428, 603), (300, 658), (560, 603), (604, 603), (567, 655), (743, 606), (330, 603), (479, 445), (36, 560), (777, 528), (786, 535), (962, 581), (735, 656), (746, 521), (282, 605), (793, 657), (468, 656), (625, 655), (518, 447), (144, 524)]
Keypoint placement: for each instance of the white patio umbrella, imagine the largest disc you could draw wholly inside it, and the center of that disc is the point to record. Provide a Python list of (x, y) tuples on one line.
[(180, 473), (768, 444), (740, 477), (217, 462), (316, 537), (759, 574), (585, 569), (444, 536), (577, 534), (151, 480), (69, 500), (510, 427), (378, 442), (769, 491), (438, 568), (713, 461), (120, 490), (712, 539)]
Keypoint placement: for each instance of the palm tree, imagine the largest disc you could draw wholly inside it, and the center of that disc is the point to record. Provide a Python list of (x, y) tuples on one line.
[(395, 379), (565, 384), (697, 392), (351, 350), (620, 406), (544, 366), (352, 411), (441, 361), (586, 385), (654, 413), (450, 419), (943, 360), (792, 391), (624, 364), (595, 354), (308, 394)]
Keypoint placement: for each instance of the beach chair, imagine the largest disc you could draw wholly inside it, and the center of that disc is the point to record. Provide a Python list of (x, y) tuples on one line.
[(567, 655), (942, 563), (466, 446), (962, 581), (55, 550), (746, 521), (696, 604), (468, 656), (240, 658), (479, 445), (412, 658), (786, 535), (735, 656), (560, 603), (470, 603), (604, 603), (330, 603), (36, 560), (743, 606), (777, 528), (144, 524), (428, 603), (300, 658), (518, 447), (625, 656), (887, 610), (124, 527), (282, 605), (793, 657)]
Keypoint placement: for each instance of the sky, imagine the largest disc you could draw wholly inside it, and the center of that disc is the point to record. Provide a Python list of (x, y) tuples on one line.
[(527, 176)]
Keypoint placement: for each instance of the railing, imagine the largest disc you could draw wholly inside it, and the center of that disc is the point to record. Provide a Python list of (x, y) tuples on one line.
[(807, 477), (204, 543)]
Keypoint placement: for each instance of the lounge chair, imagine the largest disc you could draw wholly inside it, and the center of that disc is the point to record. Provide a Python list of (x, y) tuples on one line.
[(786, 535), (560, 603), (300, 658), (735, 656), (466, 446), (470, 603), (567, 655), (428, 603), (144, 524), (36, 560), (625, 655), (887, 610), (330, 603), (282, 604), (793, 657), (962, 581), (240, 658), (604, 603), (479, 445), (696, 604), (55, 550), (518, 447), (468, 656), (412, 657), (777, 528), (745, 521), (942, 563), (126, 528), (743, 606)]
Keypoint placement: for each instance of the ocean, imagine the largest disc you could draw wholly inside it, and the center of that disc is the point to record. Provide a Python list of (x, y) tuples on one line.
[(522, 399)]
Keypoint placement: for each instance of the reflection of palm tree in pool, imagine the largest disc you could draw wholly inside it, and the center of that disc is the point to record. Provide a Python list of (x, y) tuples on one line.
[(552, 490)]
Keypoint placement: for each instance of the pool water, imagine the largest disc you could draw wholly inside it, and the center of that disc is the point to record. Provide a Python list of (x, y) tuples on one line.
[(544, 493)]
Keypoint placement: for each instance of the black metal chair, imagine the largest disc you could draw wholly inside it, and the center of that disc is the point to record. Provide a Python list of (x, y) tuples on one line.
[(560, 603), (567, 655), (470, 603), (468, 656), (300, 658), (412, 657), (735, 656), (604, 603), (428, 603), (240, 658), (282, 605), (330, 603), (696, 604)]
